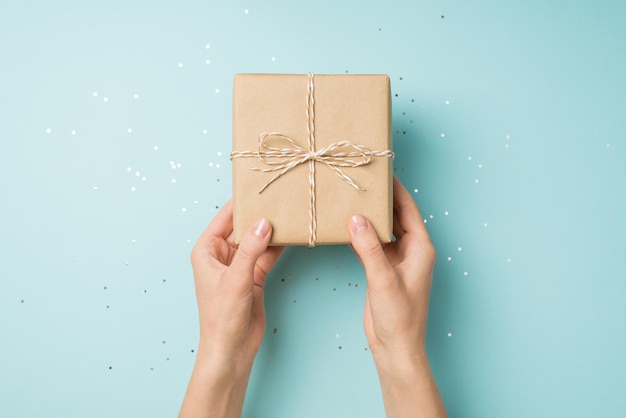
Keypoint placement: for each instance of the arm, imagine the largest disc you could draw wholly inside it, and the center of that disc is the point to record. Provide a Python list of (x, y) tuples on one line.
[(399, 277), (229, 283)]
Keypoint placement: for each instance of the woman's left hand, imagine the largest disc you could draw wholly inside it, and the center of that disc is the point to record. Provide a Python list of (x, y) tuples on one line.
[(229, 283)]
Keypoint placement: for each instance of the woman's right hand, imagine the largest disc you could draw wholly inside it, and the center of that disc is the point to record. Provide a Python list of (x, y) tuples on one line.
[(399, 276)]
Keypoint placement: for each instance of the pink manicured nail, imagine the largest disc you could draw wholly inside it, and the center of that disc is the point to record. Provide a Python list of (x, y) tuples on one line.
[(261, 228), (358, 224)]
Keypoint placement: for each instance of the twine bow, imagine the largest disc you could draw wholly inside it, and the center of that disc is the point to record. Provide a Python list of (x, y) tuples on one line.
[(342, 154)]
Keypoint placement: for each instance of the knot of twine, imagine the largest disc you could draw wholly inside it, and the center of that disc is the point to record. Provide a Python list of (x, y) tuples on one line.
[(342, 154)]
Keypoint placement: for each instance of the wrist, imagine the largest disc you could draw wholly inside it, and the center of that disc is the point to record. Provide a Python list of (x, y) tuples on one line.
[(223, 365), (218, 385), (401, 366), (408, 385)]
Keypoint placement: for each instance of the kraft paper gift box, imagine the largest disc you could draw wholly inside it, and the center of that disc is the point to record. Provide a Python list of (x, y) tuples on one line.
[(323, 143)]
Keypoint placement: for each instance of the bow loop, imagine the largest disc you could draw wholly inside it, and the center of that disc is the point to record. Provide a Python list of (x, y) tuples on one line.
[(283, 158)]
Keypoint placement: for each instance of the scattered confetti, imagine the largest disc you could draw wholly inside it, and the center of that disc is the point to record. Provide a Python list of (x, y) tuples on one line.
[(152, 159)]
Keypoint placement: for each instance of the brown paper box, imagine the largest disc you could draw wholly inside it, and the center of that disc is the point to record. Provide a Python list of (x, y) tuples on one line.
[(355, 108)]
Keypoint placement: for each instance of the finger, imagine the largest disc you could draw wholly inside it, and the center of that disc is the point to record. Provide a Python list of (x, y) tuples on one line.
[(355, 253), (269, 258), (408, 215), (230, 239), (211, 240), (398, 232), (221, 225), (252, 246), (265, 264), (366, 244)]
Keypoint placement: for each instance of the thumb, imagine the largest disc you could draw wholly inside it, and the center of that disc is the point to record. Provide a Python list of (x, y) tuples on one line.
[(252, 245), (367, 246)]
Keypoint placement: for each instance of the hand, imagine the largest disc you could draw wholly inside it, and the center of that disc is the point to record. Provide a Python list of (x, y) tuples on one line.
[(399, 276), (229, 283)]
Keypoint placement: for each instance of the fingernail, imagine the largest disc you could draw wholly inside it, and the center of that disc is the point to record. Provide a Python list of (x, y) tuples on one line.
[(358, 224), (261, 228)]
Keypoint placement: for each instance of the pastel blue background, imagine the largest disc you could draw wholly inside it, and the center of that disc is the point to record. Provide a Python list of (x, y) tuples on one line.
[(509, 131)]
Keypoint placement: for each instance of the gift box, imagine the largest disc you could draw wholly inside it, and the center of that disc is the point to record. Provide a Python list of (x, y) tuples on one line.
[(310, 151)]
